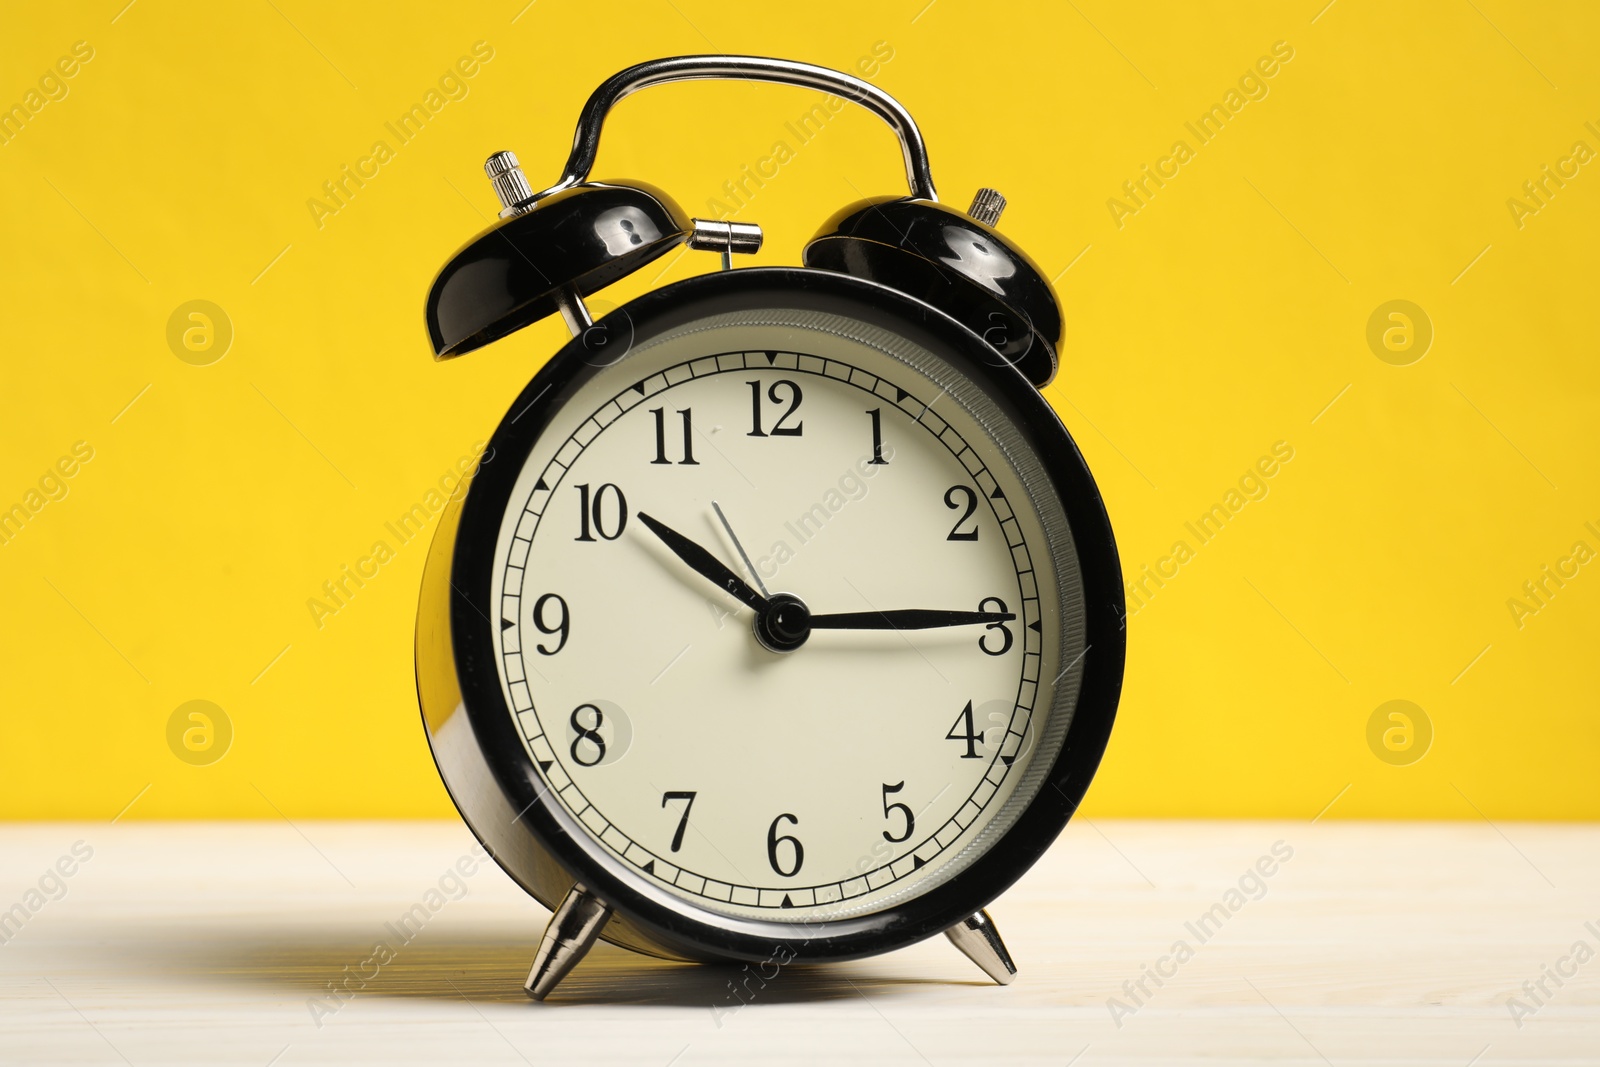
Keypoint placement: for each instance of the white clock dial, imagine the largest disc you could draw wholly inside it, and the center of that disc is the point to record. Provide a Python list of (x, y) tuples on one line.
[(868, 764)]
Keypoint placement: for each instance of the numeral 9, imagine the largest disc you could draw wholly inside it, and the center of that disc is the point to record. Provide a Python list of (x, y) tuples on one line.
[(561, 626)]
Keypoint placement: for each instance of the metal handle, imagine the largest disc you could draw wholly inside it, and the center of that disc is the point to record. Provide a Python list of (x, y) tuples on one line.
[(586, 142)]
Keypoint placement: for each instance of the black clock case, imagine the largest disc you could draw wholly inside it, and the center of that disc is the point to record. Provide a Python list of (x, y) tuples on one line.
[(473, 734)]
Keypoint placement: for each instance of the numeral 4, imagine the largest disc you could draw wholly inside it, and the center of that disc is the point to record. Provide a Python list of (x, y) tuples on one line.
[(971, 735)]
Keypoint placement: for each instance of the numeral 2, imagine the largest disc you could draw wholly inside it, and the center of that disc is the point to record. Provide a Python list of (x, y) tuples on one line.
[(956, 532), (778, 428), (661, 438)]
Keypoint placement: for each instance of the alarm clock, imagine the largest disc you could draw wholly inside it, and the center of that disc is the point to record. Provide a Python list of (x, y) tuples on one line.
[(782, 618)]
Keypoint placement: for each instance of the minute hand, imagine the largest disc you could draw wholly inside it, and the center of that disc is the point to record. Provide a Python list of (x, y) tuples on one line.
[(906, 619)]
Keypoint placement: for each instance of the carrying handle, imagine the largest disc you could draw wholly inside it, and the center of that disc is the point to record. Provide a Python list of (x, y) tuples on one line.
[(586, 142)]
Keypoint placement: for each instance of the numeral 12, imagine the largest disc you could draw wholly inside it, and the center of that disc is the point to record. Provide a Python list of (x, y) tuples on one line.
[(775, 396)]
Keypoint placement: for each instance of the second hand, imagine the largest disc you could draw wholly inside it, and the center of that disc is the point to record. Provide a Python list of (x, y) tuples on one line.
[(751, 567)]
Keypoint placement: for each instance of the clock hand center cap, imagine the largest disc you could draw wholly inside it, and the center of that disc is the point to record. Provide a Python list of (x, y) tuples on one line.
[(784, 624)]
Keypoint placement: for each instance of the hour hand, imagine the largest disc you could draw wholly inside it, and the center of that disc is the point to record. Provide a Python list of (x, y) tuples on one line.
[(704, 563), (906, 619)]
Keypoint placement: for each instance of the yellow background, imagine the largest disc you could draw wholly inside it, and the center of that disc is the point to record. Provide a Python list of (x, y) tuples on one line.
[(1224, 316)]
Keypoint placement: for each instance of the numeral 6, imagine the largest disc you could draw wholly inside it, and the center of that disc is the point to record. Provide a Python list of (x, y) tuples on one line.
[(774, 839)]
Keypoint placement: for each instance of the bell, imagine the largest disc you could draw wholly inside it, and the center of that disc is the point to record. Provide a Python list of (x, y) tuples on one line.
[(955, 261), (544, 255)]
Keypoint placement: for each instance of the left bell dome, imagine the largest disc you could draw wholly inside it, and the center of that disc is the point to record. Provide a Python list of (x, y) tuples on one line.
[(578, 240)]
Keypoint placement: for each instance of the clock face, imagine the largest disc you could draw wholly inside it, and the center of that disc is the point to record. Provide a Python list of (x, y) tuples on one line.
[(802, 772)]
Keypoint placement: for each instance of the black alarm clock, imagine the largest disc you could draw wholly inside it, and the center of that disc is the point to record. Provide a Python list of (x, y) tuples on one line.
[(783, 619)]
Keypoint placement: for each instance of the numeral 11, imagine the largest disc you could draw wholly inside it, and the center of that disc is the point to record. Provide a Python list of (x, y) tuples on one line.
[(661, 438)]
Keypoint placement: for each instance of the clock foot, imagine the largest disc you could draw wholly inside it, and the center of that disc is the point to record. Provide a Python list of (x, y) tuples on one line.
[(980, 942), (571, 933)]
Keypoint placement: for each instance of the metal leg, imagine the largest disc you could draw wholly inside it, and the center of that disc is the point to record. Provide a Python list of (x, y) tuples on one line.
[(574, 312), (980, 942), (571, 933)]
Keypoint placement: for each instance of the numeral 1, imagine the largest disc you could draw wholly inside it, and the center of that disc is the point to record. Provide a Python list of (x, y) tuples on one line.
[(877, 436), (661, 438)]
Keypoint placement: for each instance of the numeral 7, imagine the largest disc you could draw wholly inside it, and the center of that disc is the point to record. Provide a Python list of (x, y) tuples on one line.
[(683, 821)]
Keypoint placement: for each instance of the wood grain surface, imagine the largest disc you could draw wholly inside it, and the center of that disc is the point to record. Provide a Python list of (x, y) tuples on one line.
[(1402, 943)]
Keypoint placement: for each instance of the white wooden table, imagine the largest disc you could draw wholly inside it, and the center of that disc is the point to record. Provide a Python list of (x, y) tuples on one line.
[(194, 943)]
